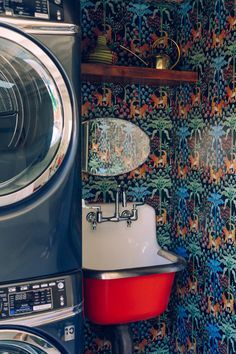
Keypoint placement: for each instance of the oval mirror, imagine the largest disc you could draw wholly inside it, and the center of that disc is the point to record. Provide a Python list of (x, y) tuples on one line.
[(113, 146)]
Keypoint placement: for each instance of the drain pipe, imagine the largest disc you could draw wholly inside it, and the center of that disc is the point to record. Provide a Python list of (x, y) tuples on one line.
[(119, 335), (121, 339)]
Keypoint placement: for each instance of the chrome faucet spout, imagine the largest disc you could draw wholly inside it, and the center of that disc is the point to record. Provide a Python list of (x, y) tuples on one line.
[(134, 213)]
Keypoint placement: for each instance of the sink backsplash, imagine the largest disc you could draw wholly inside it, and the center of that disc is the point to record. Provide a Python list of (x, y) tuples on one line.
[(113, 245)]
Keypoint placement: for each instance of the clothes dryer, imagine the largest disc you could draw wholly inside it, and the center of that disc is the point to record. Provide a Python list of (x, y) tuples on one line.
[(39, 140)]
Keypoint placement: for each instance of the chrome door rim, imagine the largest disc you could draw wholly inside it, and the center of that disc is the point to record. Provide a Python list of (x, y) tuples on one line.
[(66, 121), (10, 346), (22, 336)]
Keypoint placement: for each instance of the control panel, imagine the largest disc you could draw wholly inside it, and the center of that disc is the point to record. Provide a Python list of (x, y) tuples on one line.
[(52, 10), (33, 297)]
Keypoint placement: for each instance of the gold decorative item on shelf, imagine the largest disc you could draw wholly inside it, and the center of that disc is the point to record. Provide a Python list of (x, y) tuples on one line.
[(102, 53), (162, 60)]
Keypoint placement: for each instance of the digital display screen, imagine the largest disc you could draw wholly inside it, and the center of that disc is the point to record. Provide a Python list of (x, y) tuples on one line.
[(37, 8), (21, 296), (30, 301)]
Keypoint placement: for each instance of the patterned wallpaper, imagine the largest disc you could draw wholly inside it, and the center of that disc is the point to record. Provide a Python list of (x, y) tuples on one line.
[(190, 175)]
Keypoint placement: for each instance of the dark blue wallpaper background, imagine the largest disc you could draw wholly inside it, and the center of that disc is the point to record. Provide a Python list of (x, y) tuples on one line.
[(194, 127)]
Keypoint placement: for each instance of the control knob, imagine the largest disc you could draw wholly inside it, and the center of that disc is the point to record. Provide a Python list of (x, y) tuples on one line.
[(60, 285)]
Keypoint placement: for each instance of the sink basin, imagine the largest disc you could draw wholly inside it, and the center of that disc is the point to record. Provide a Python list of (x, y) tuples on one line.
[(127, 276)]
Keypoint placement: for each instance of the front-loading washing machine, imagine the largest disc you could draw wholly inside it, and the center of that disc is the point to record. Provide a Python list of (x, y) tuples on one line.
[(40, 201), (41, 316)]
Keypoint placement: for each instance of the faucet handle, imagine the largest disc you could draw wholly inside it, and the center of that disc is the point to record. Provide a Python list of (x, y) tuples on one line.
[(91, 218)]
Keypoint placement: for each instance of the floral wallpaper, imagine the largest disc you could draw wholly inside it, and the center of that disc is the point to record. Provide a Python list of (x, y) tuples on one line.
[(190, 174)]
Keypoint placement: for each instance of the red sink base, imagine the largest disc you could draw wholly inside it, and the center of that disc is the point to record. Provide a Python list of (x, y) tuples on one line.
[(118, 301)]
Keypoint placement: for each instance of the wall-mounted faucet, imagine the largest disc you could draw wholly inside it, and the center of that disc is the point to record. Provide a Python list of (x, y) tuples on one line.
[(96, 217)]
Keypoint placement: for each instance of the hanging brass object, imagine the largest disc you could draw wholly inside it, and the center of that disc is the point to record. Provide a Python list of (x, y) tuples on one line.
[(163, 61), (137, 56)]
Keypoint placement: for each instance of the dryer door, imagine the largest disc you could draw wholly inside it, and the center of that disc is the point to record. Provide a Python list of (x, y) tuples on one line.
[(36, 116), (23, 342)]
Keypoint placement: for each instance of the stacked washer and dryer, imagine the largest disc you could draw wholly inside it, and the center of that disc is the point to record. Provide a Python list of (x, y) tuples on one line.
[(40, 231)]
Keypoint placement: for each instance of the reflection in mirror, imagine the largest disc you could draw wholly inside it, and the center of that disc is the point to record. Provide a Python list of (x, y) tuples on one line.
[(113, 146)]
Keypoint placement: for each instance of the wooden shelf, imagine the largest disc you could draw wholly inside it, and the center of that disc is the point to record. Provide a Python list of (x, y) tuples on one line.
[(138, 75)]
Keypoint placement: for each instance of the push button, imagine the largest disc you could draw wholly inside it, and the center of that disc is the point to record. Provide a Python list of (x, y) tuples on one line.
[(44, 285), (60, 285), (52, 284), (35, 287), (12, 289), (58, 15), (24, 287)]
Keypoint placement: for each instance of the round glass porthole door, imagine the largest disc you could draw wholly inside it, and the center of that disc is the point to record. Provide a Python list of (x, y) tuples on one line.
[(35, 117), (10, 347), (14, 341)]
